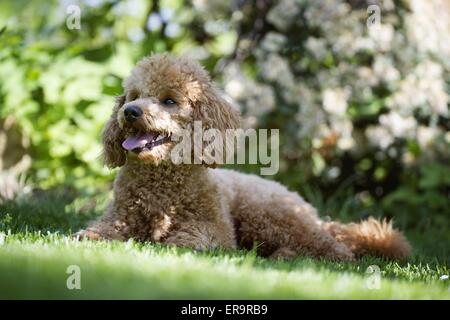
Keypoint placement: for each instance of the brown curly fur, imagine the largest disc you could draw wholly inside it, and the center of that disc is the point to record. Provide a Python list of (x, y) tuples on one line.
[(199, 207)]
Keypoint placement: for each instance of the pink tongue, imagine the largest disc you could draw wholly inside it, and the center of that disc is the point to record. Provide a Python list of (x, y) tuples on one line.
[(140, 141)]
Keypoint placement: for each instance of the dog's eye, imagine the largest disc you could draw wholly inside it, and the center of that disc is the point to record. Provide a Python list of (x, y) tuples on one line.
[(169, 102), (133, 95)]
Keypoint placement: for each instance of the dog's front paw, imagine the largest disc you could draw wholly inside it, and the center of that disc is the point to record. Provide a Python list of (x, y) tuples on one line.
[(91, 234)]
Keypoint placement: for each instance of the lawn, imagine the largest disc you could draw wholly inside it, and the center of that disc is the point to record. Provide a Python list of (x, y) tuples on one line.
[(36, 252)]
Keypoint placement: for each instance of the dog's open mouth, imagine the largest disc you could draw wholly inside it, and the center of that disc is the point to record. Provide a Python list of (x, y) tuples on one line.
[(144, 141)]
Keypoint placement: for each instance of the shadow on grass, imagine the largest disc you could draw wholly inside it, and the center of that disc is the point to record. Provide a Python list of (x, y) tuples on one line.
[(59, 211)]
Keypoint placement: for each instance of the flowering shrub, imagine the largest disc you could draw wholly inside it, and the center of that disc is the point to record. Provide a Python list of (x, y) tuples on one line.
[(352, 98)]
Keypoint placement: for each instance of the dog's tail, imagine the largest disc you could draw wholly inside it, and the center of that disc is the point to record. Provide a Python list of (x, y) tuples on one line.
[(371, 237)]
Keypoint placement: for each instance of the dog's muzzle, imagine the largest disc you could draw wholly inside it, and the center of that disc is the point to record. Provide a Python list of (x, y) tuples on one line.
[(132, 113)]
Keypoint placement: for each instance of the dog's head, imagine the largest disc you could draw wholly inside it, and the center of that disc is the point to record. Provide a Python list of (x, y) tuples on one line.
[(162, 97)]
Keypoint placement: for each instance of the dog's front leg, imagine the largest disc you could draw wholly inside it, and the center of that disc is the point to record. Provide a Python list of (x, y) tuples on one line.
[(107, 227), (201, 236)]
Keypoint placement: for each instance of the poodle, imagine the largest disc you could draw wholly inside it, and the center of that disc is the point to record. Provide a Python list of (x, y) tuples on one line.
[(197, 205)]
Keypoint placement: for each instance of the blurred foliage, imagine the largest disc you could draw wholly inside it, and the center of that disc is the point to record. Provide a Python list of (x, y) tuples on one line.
[(328, 84)]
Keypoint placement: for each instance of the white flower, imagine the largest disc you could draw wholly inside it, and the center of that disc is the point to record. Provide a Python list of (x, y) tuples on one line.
[(344, 129), (235, 81), (196, 53), (276, 69), (439, 100), (172, 30), (366, 77), (210, 7), (428, 27), (309, 116), (154, 22), (130, 8), (423, 88), (382, 35), (199, 4), (335, 100), (361, 44), (447, 137), (399, 126), (426, 136), (235, 88), (256, 98), (384, 69), (273, 42), (379, 136), (260, 99), (283, 14), (216, 27), (320, 13), (135, 34), (317, 47)]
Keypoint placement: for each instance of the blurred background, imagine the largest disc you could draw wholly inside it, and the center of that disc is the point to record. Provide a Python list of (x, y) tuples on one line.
[(363, 111)]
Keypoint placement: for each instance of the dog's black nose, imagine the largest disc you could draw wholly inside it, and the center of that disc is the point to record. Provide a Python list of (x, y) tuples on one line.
[(132, 113)]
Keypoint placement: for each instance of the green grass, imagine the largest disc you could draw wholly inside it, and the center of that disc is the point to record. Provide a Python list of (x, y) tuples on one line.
[(35, 252)]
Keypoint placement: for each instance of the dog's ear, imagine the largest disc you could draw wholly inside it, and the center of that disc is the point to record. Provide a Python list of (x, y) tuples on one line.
[(112, 137), (215, 112)]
